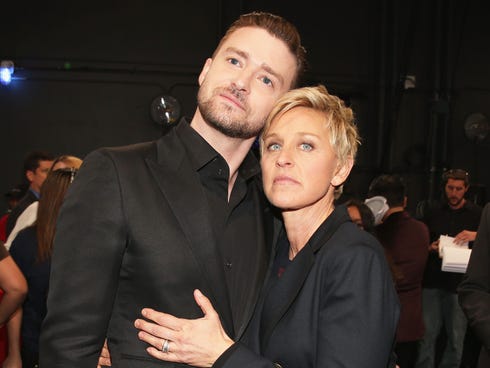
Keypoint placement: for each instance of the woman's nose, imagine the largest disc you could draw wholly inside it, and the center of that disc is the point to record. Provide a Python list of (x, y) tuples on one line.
[(284, 159)]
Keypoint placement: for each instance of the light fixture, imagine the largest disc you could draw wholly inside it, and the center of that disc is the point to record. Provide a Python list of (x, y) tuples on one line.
[(476, 127), (165, 110), (6, 71)]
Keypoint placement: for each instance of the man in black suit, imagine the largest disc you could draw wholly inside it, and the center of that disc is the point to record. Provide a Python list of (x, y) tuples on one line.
[(145, 225), (474, 290), (36, 168)]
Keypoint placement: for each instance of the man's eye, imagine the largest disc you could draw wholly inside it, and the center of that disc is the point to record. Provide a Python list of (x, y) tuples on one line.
[(267, 81), (233, 61)]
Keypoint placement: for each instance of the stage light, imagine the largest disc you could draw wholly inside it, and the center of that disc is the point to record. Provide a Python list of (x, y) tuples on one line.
[(6, 71), (165, 110)]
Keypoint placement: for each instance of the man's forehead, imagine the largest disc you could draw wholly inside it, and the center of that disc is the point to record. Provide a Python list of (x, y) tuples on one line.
[(455, 183), (262, 46)]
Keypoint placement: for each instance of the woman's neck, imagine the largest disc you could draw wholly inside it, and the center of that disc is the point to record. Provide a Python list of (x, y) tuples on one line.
[(301, 225)]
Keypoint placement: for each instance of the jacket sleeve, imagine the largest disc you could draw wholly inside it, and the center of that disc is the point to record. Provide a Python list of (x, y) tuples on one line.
[(88, 249), (238, 355), (474, 291), (360, 311)]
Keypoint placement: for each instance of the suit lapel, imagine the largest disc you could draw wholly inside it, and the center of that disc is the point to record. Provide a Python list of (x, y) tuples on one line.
[(280, 295), (181, 186)]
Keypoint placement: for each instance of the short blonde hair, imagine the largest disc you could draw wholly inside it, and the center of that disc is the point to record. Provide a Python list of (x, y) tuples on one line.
[(344, 136)]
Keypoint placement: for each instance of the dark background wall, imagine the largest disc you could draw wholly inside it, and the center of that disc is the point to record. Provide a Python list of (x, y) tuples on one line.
[(413, 71)]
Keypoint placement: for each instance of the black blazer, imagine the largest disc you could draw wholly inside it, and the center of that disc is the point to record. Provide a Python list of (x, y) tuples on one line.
[(334, 306), (134, 232), (474, 290)]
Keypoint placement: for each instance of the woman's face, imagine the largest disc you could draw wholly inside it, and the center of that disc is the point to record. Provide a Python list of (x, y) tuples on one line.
[(298, 163)]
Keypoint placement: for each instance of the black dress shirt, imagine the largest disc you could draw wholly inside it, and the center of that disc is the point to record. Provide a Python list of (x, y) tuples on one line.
[(234, 225)]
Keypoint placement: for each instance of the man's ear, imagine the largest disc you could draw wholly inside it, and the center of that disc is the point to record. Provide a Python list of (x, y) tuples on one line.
[(343, 172), (30, 175), (205, 70)]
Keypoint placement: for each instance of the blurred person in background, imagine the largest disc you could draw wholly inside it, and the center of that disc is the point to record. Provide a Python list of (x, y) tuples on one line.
[(28, 216), (36, 168), (31, 250)]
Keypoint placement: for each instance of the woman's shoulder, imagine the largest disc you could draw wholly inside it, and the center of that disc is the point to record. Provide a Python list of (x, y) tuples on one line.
[(350, 240), (26, 238)]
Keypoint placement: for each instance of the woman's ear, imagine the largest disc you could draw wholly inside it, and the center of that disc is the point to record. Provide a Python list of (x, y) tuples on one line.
[(343, 172)]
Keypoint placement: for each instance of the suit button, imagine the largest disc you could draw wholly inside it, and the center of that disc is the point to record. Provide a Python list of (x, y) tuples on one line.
[(228, 265)]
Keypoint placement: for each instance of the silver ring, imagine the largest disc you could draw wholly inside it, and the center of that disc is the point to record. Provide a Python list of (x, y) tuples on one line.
[(165, 345)]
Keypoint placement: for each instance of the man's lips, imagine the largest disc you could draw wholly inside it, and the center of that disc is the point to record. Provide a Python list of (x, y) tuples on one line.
[(231, 98)]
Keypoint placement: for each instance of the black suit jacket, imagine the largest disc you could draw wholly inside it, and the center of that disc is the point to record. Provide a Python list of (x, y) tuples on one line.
[(474, 291), (134, 232), (334, 306)]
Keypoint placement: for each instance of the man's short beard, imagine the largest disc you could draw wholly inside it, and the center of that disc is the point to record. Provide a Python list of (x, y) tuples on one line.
[(222, 121)]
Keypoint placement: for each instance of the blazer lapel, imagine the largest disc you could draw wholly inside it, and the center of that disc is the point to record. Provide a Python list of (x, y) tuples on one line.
[(280, 295), (182, 189)]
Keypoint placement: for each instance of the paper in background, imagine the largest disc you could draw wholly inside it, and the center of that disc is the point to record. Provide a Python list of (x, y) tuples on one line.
[(455, 257)]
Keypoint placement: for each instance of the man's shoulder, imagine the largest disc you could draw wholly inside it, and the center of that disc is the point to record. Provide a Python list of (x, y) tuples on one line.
[(118, 154), (473, 207)]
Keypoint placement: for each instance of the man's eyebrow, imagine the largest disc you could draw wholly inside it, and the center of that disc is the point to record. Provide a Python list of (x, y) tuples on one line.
[(264, 66)]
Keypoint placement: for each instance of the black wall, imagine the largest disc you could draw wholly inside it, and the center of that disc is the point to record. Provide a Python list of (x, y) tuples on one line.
[(87, 72)]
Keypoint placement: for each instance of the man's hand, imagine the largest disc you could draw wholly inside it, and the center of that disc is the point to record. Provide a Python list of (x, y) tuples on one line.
[(105, 357), (465, 236), (434, 246), (198, 342)]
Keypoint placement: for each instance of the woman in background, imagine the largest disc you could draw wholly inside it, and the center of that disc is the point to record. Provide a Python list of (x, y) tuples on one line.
[(32, 250), (360, 215), (28, 216)]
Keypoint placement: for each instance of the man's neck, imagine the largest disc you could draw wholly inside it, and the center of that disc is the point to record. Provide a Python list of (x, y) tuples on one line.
[(233, 150), (35, 192), (458, 206), (393, 210)]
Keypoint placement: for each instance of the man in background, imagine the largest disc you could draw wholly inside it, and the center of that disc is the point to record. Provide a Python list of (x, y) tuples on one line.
[(474, 291), (406, 243), (36, 168), (457, 217)]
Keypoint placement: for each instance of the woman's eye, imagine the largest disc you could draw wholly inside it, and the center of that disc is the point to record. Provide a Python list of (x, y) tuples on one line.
[(273, 147), (306, 147)]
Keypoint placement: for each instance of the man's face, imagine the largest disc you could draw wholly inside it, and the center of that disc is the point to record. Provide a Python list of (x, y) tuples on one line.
[(239, 86), (38, 176), (455, 191)]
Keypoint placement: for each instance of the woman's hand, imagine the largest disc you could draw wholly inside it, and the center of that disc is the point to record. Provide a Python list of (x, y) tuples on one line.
[(105, 357), (197, 342)]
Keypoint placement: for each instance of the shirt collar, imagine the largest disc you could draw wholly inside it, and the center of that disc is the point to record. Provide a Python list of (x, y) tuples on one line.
[(201, 152)]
